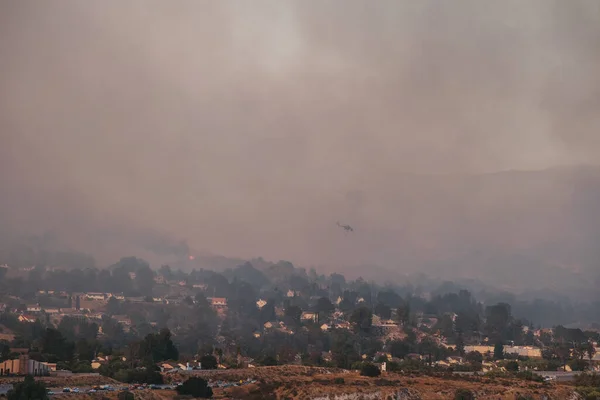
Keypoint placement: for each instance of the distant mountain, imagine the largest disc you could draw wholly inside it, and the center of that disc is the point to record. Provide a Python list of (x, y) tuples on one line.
[(515, 230)]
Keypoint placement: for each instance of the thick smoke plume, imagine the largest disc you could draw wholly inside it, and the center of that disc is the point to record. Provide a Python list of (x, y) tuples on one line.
[(250, 128)]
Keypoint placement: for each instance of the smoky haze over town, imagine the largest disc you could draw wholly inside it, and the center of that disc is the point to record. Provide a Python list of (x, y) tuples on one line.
[(460, 139)]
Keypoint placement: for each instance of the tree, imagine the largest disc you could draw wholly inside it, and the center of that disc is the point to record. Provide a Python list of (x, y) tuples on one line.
[(590, 350), (156, 347), (113, 306), (294, 312), (512, 366), (55, 344), (403, 313), (343, 349), (324, 306), (460, 345), (464, 394), (29, 389), (383, 310), (196, 387), (369, 369), (208, 362), (499, 351), (362, 318), (399, 348), (4, 350), (498, 318), (126, 395)]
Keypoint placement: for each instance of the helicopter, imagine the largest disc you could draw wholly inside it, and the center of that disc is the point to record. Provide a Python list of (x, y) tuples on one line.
[(346, 228)]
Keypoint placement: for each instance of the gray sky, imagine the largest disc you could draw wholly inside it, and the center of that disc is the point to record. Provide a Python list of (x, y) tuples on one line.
[(249, 128)]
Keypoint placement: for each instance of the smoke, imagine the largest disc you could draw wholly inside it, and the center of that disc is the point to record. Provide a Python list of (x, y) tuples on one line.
[(250, 128)]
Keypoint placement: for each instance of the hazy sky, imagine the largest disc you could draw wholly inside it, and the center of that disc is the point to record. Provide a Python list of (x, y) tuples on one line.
[(249, 128)]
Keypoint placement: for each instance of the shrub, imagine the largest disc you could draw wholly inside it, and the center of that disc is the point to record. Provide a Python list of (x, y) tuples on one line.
[(464, 394), (339, 381), (520, 396), (512, 366), (196, 387), (529, 376), (208, 362), (370, 370), (28, 389), (393, 366), (126, 396), (357, 365)]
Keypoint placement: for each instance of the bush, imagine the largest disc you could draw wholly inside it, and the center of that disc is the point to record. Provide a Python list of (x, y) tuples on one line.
[(339, 381), (208, 362), (529, 376), (28, 389), (357, 365), (512, 366), (589, 393), (268, 361), (126, 396), (196, 387), (592, 380), (520, 396), (393, 366), (464, 394), (370, 370)]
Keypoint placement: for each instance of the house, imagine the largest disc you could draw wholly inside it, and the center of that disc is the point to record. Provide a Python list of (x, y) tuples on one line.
[(51, 311), (95, 296), (34, 308), (167, 366), (290, 293), (27, 318), (454, 360), (261, 303), (201, 286), (309, 316), (218, 302), (123, 320), (268, 325), (524, 351), (325, 327), (343, 325), (118, 296)]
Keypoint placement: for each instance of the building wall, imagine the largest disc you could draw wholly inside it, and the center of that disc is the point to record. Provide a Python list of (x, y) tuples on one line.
[(24, 366), (10, 367)]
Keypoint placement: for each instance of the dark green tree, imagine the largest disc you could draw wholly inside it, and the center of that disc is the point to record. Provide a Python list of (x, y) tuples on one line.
[(383, 310), (29, 389), (399, 349), (324, 306), (464, 394), (499, 351), (208, 361), (126, 395), (460, 345), (294, 312), (370, 370), (362, 318), (196, 387)]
